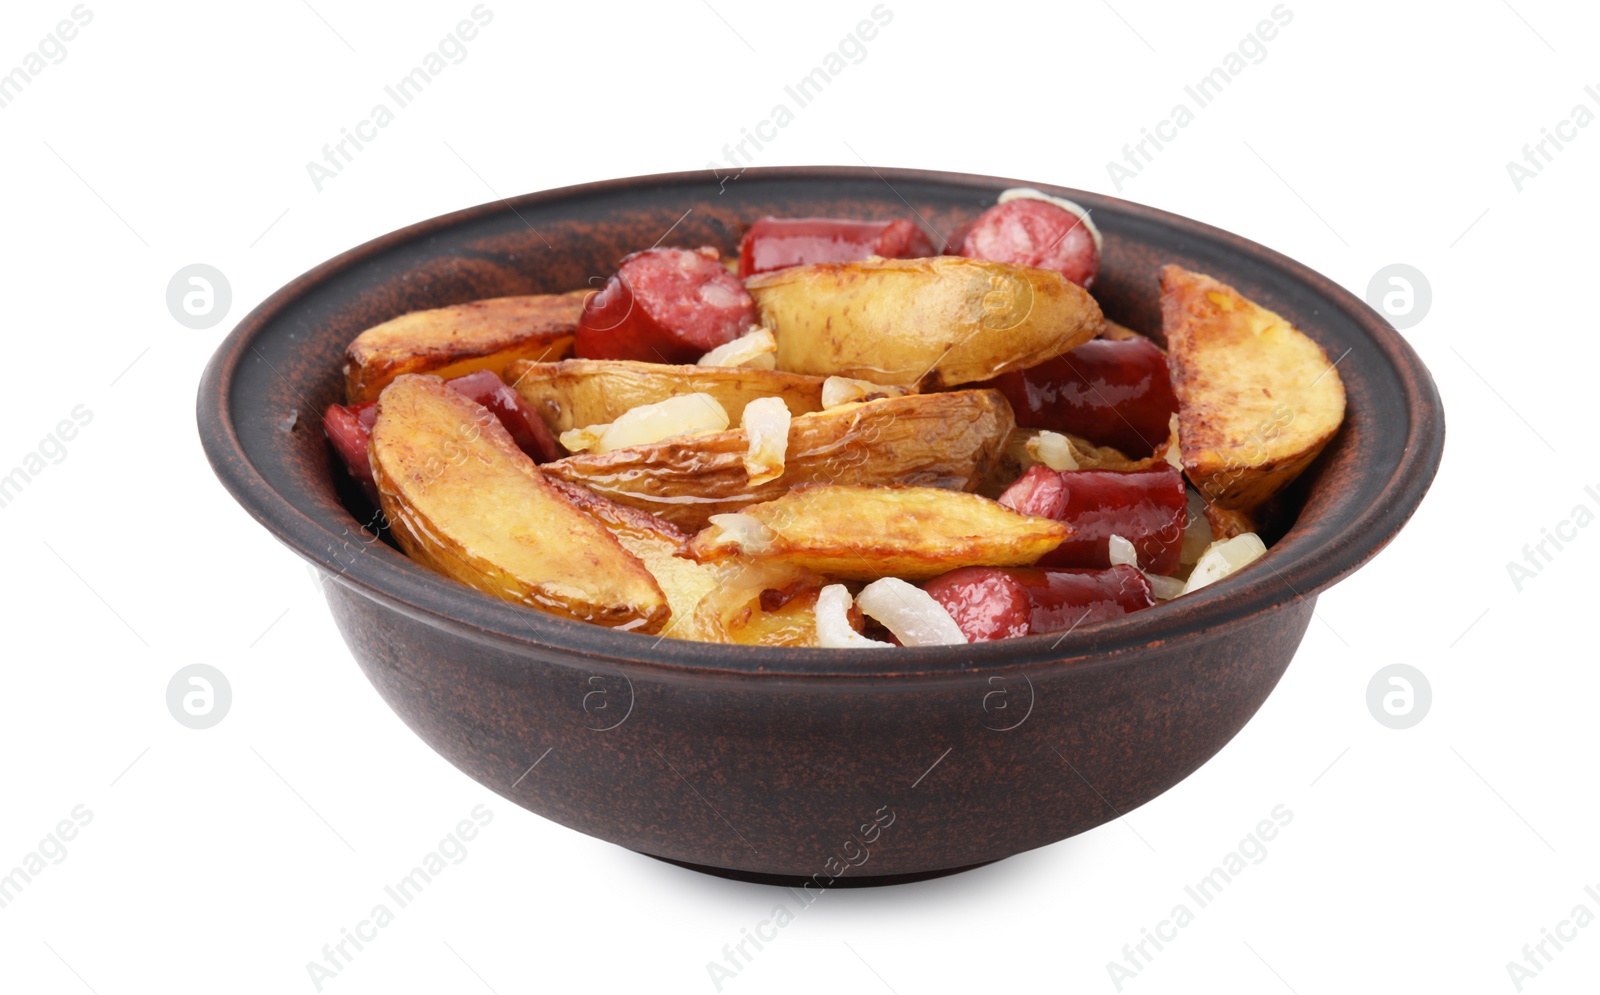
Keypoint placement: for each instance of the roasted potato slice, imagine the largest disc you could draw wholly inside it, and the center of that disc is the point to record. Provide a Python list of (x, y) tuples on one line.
[(1122, 333), (464, 500), (930, 322), (749, 620), (656, 542), (1257, 399), (577, 393), (461, 339), (1227, 524), (863, 533), (943, 440)]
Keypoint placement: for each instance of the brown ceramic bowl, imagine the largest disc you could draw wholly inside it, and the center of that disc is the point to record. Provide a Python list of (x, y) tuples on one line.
[(845, 767)]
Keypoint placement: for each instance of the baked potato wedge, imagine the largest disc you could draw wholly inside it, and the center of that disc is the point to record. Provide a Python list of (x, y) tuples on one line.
[(1226, 524), (577, 393), (1122, 333), (943, 440), (461, 339), (750, 619), (863, 533), (927, 322), (461, 498), (656, 542), (1257, 398)]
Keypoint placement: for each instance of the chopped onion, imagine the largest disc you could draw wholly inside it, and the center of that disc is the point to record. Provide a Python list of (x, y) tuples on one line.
[(1029, 193), (1197, 533), (746, 533), (1174, 450), (844, 390), (1122, 552), (756, 349), (579, 440), (833, 620), (766, 422), (1052, 449), (740, 582), (1222, 558), (686, 414), (912, 614), (1164, 588)]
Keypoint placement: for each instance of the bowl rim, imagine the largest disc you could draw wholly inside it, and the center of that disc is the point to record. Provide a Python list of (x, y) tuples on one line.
[(404, 585)]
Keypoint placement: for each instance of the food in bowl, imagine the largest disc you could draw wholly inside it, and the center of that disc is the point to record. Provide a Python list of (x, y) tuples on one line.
[(839, 439)]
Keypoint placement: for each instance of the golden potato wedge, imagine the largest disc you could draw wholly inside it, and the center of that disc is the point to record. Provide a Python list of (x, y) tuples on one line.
[(863, 533), (656, 542), (1257, 399), (748, 621), (930, 322), (1226, 524), (577, 393), (461, 339), (1122, 333), (464, 500), (940, 440)]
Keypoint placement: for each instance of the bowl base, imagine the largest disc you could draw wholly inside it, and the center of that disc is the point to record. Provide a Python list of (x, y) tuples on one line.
[(796, 881)]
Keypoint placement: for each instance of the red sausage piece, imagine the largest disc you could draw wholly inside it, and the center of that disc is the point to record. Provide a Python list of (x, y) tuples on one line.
[(993, 603), (1037, 233), (774, 243), (1146, 507), (348, 436), (527, 429), (664, 306), (986, 602), (1113, 393), (1066, 599)]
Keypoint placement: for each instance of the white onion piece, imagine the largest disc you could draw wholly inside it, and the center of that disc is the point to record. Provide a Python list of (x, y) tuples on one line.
[(1052, 449), (745, 533), (1164, 588), (833, 620), (686, 414), (1197, 533), (1174, 449), (766, 422), (844, 390), (912, 614), (577, 440), (756, 348), (1122, 552), (1222, 558), (1029, 193)]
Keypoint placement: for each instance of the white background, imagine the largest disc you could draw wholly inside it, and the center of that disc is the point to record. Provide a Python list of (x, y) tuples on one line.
[(222, 860)]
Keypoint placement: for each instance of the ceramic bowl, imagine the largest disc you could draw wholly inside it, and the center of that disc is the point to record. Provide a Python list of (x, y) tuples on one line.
[(822, 766)]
